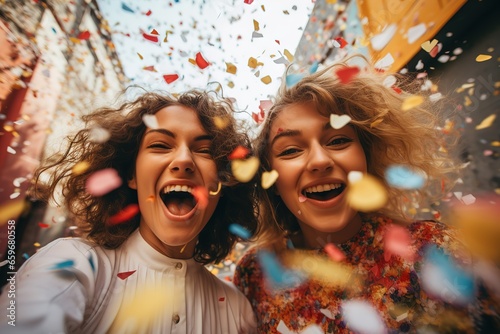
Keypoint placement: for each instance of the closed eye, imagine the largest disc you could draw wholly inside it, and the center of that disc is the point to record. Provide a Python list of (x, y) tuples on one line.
[(159, 145)]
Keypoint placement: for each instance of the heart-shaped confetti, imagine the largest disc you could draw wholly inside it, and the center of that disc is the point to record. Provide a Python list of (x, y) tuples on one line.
[(268, 179), (244, 170), (428, 45), (346, 74), (339, 121), (150, 121)]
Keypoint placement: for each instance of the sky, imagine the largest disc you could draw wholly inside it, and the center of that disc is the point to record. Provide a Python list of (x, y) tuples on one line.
[(226, 33)]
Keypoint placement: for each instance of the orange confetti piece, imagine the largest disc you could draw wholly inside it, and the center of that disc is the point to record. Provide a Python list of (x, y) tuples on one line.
[(480, 58), (129, 212), (151, 198), (412, 102), (140, 56), (231, 68), (200, 61), (256, 25), (154, 32), (201, 196), (169, 78), (239, 152), (149, 68), (267, 79), (220, 122), (11, 209)]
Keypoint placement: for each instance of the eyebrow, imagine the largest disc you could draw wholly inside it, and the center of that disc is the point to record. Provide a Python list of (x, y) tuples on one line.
[(171, 134), (293, 133)]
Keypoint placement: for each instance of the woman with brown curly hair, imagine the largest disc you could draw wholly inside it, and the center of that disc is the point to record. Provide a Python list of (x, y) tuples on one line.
[(331, 139), (155, 201)]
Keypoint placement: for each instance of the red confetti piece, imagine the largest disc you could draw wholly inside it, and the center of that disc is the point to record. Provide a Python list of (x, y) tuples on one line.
[(169, 78), (125, 274), (334, 252), (221, 299), (200, 61), (154, 32), (149, 68), (248, 2), (396, 89), (346, 74), (152, 38), (257, 117), (149, 12), (103, 181), (126, 214), (277, 42), (397, 241), (43, 225), (239, 152), (434, 51), (201, 196), (84, 35), (341, 41)]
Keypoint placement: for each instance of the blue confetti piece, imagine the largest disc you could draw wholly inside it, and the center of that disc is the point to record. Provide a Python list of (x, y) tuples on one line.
[(127, 8), (289, 244), (314, 67), (292, 79), (91, 261), (278, 276), (402, 177), (54, 30), (63, 265), (26, 256), (239, 231)]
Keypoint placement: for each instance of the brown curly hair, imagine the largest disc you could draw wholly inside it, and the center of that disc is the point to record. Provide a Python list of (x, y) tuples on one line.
[(387, 134), (126, 128)]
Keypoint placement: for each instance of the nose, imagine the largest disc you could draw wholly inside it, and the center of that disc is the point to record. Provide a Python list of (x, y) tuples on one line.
[(320, 159), (183, 161)]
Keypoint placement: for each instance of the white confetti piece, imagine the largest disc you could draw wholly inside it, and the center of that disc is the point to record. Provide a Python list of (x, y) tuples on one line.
[(381, 40), (98, 135), (362, 317), (150, 121), (385, 62), (11, 150), (415, 32), (339, 121)]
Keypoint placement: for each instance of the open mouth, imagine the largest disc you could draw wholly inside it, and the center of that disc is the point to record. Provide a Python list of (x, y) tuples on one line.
[(178, 199), (324, 192)]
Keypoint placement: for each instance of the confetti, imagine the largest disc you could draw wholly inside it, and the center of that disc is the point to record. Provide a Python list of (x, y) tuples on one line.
[(428, 45), (256, 25), (311, 329), (169, 78), (381, 40), (248, 2), (150, 37), (346, 74), (201, 196), (43, 225), (389, 81), (412, 102), (276, 275), (221, 122), (129, 212), (293, 79), (480, 58), (268, 179), (244, 170), (397, 241), (414, 33), (339, 121), (63, 265), (302, 198), (267, 79), (127, 8), (366, 194), (200, 61), (341, 42), (362, 317), (84, 35), (487, 122), (240, 152), (240, 231), (11, 210), (150, 121), (385, 62), (403, 177), (288, 55), (98, 135), (231, 68), (334, 252), (103, 181), (80, 167), (124, 275)]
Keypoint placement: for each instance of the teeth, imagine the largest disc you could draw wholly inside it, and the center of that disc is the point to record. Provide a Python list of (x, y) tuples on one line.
[(323, 187), (177, 188)]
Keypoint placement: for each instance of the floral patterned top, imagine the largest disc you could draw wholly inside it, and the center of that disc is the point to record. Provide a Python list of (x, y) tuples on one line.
[(392, 285)]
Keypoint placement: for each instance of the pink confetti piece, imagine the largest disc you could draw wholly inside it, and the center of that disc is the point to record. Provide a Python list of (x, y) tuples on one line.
[(334, 252), (103, 181), (397, 241), (302, 198)]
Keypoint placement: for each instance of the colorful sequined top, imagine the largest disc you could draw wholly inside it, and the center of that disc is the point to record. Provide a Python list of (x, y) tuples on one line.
[(388, 283)]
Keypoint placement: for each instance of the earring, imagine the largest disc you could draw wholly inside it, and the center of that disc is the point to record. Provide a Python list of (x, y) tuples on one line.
[(219, 186)]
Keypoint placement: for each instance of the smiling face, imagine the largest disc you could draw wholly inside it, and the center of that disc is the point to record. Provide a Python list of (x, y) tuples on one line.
[(313, 161), (173, 163)]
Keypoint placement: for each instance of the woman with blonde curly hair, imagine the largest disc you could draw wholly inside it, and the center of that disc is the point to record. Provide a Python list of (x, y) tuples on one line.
[(331, 138), (154, 202)]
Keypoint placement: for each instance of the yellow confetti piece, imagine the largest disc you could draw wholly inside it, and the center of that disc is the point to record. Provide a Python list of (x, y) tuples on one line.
[(8, 127), (11, 210), (288, 55), (230, 84), (253, 63), (486, 122), (319, 268), (75, 40), (221, 122), (140, 56), (244, 170), (428, 45), (495, 143), (192, 61), (80, 167), (412, 102), (366, 194), (141, 311), (256, 25), (231, 68), (267, 79), (480, 58), (36, 244), (376, 122), (268, 179), (468, 101)]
